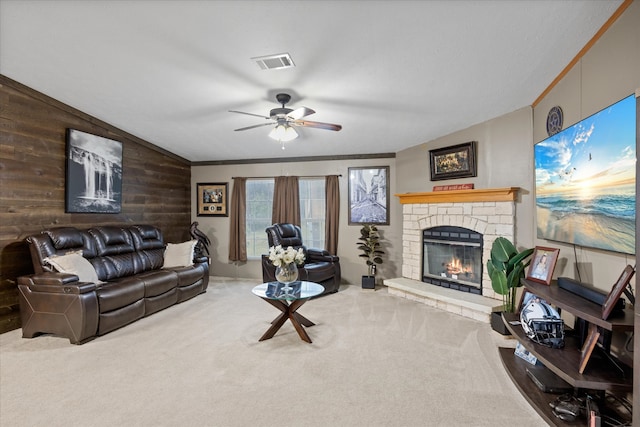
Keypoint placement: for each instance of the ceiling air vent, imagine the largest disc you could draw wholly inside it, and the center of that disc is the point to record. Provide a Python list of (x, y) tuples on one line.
[(274, 62)]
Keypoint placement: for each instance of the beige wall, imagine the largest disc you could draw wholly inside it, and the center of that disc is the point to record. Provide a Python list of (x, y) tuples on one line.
[(609, 72), (504, 158), (353, 267)]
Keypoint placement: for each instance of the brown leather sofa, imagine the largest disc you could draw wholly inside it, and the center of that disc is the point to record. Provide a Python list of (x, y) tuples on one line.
[(132, 282), (319, 267)]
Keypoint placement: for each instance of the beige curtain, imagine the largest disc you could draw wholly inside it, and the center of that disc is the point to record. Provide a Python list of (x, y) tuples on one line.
[(237, 228), (286, 200), (332, 213)]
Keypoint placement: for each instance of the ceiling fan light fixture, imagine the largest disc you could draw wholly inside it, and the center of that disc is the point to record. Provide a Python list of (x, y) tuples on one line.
[(283, 133), (286, 117)]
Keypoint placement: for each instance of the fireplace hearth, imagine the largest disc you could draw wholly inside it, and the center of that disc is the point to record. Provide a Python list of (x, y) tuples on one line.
[(452, 258)]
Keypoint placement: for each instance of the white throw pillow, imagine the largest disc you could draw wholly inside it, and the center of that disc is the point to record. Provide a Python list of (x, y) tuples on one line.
[(74, 263), (179, 254)]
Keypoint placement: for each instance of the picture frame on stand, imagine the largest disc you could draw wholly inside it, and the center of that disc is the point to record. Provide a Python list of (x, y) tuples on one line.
[(543, 262), (616, 291), (588, 346)]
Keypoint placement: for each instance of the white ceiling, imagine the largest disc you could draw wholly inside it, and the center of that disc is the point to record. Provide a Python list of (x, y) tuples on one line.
[(394, 74)]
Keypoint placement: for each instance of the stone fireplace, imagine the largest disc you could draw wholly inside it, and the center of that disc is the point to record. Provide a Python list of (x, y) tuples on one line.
[(488, 213)]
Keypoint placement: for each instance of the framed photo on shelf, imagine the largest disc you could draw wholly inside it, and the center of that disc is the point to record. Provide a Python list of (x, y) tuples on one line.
[(456, 161), (588, 346), (542, 265), (525, 298), (369, 195), (212, 199), (616, 291)]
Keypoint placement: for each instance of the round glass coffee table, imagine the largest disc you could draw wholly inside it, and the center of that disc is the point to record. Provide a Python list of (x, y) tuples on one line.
[(288, 303)]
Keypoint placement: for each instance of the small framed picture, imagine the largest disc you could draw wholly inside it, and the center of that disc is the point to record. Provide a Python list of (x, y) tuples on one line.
[(588, 346), (616, 291), (525, 297), (212, 199), (456, 161), (528, 297), (542, 265)]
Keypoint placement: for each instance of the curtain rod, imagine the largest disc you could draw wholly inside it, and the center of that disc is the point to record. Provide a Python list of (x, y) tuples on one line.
[(267, 177)]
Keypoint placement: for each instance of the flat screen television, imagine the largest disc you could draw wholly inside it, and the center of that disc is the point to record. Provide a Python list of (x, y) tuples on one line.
[(585, 181)]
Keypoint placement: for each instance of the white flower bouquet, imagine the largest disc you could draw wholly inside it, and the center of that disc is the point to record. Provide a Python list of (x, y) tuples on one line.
[(280, 256)]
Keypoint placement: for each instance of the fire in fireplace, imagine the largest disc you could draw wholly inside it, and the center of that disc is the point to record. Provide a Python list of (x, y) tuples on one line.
[(452, 258)]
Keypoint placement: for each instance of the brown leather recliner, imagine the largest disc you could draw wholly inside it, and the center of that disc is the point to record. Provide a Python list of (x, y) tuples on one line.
[(132, 281), (319, 267)]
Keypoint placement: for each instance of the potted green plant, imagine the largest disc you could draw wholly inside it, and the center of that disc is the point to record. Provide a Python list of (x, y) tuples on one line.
[(506, 267), (370, 246)]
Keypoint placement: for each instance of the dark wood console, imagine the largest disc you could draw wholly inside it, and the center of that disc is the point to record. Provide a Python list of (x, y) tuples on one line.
[(601, 374)]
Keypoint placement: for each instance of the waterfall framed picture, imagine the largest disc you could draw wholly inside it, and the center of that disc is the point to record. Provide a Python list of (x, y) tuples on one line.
[(212, 198), (93, 174), (369, 195), (456, 161)]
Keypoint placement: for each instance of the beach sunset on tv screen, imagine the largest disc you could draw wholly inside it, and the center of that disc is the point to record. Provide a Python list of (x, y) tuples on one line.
[(585, 181)]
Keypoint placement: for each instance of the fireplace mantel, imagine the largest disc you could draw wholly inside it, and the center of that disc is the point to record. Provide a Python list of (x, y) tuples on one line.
[(506, 194)]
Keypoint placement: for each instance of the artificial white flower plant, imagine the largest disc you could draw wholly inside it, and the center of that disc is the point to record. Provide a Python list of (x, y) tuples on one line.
[(280, 256)]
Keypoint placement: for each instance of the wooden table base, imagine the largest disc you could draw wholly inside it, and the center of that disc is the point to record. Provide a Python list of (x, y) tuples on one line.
[(289, 311)]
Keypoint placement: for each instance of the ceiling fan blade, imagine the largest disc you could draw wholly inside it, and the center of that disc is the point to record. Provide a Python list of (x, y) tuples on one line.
[(319, 125), (299, 113), (250, 114), (255, 126)]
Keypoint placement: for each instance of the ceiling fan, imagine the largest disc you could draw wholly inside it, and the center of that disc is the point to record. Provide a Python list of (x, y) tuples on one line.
[(286, 119)]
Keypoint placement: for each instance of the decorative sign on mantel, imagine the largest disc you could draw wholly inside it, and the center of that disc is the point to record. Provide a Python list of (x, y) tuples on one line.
[(505, 194), (453, 187)]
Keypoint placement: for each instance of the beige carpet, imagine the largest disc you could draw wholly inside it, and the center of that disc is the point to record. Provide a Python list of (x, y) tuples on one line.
[(376, 360)]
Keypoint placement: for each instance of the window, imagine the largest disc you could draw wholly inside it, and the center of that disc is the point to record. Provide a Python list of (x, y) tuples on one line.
[(312, 211), (260, 206)]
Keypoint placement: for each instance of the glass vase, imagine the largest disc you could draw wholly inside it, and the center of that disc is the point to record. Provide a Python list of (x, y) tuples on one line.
[(287, 274)]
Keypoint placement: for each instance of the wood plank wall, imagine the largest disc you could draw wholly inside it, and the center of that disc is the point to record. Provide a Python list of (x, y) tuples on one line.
[(156, 185)]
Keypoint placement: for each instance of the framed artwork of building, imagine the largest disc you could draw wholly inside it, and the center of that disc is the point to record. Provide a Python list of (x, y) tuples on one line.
[(369, 195)]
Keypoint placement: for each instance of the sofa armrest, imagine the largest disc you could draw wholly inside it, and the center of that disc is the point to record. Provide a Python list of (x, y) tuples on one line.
[(57, 303), (320, 255), (57, 283), (201, 260)]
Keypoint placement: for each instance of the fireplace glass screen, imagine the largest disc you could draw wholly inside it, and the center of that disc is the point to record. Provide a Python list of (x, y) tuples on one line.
[(452, 257)]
